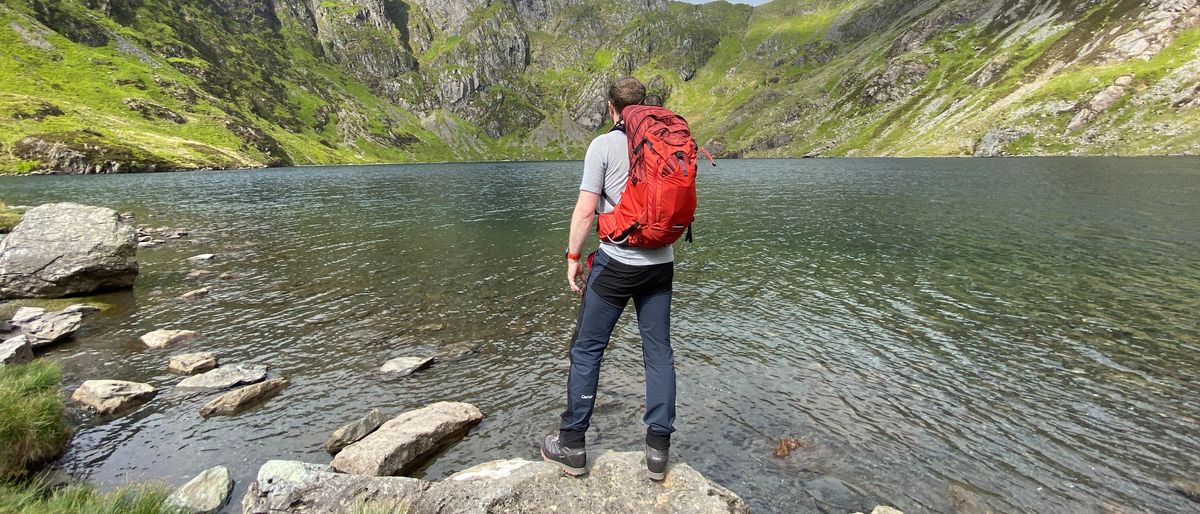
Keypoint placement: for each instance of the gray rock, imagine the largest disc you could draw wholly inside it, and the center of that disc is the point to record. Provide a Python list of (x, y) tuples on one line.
[(283, 485), (205, 494), (883, 509), (354, 431), (224, 377), (109, 396), (616, 484), (63, 249), (51, 328), (994, 143), (192, 363), (240, 399), (407, 439), (26, 314), (16, 350), (195, 294), (163, 338), (204, 257), (405, 366)]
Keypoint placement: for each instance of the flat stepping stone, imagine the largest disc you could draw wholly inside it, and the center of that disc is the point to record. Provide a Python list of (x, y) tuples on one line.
[(204, 494), (192, 363), (109, 396), (354, 431), (224, 377), (406, 440), (405, 366), (164, 338), (51, 328), (242, 398)]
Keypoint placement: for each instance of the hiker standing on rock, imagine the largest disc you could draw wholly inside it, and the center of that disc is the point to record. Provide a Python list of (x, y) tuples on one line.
[(640, 178)]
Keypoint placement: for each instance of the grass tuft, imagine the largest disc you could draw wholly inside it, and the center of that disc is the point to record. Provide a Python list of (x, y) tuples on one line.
[(84, 499), (32, 427)]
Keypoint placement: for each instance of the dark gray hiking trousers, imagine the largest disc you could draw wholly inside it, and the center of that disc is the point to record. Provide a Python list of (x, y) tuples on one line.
[(610, 286)]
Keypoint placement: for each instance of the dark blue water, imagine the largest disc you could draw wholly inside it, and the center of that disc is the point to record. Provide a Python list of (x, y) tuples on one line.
[(1013, 335)]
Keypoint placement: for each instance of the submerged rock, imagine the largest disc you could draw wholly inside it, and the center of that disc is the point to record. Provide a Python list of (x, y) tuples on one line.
[(86, 309), (109, 396), (237, 400), (354, 431), (1189, 489), (205, 494), (834, 495), (63, 249), (204, 257), (614, 485), (225, 377), (405, 366), (163, 338), (192, 363), (200, 274), (407, 439), (195, 294), (16, 350)]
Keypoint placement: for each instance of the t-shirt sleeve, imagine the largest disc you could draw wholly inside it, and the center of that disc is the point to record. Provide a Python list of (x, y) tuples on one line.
[(594, 166)]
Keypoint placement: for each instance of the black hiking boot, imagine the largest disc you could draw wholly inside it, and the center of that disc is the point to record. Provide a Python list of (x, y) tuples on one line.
[(656, 463), (572, 461)]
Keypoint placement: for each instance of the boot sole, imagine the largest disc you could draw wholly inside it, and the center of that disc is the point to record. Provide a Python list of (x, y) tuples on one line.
[(574, 472), (657, 477)]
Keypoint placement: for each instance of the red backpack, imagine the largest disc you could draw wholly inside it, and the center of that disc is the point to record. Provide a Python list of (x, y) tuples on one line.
[(660, 196)]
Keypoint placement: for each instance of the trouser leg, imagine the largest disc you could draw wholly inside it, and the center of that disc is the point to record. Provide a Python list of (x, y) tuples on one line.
[(592, 332), (654, 322)]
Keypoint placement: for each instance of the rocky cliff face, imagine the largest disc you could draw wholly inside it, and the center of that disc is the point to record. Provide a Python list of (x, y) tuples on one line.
[(234, 83)]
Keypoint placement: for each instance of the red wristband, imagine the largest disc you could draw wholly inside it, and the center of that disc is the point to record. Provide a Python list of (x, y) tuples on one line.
[(572, 256)]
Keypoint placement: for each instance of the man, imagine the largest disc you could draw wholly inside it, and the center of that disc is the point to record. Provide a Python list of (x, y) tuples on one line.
[(617, 274)]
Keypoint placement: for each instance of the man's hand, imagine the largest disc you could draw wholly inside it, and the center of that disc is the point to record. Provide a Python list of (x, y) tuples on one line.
[(575, 276)]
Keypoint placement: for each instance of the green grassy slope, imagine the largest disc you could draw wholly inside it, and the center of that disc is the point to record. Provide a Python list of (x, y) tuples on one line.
[(139, 85)]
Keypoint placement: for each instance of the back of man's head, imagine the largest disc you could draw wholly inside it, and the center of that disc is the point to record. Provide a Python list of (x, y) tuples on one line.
[(626, 91)]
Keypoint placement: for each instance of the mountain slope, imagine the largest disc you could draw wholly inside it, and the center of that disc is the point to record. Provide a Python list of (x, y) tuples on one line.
[(139, 85)]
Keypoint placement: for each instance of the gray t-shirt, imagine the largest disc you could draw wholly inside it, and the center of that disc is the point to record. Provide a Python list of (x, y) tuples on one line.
[(605, 172)]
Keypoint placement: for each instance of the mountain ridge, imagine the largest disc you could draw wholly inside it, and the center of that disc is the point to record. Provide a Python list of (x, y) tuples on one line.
[(93, 86)]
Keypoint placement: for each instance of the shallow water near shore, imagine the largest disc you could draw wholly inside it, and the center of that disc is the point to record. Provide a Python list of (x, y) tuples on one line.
[(1019, 334)]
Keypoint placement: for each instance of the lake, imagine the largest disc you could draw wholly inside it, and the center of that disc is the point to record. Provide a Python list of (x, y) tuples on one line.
[(1013, 335)]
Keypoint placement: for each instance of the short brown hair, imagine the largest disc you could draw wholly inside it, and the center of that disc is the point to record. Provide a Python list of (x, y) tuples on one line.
[(626, 91)]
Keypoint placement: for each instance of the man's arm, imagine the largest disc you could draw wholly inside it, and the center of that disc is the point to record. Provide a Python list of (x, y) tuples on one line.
[(581, 226)]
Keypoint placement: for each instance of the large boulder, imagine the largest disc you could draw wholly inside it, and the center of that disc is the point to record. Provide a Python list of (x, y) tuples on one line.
[(16, 350), (64, 249), (109, 396), (354, 431), (282, 486), (205, 494), (616, 484), (239, 399), (404, 441)]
